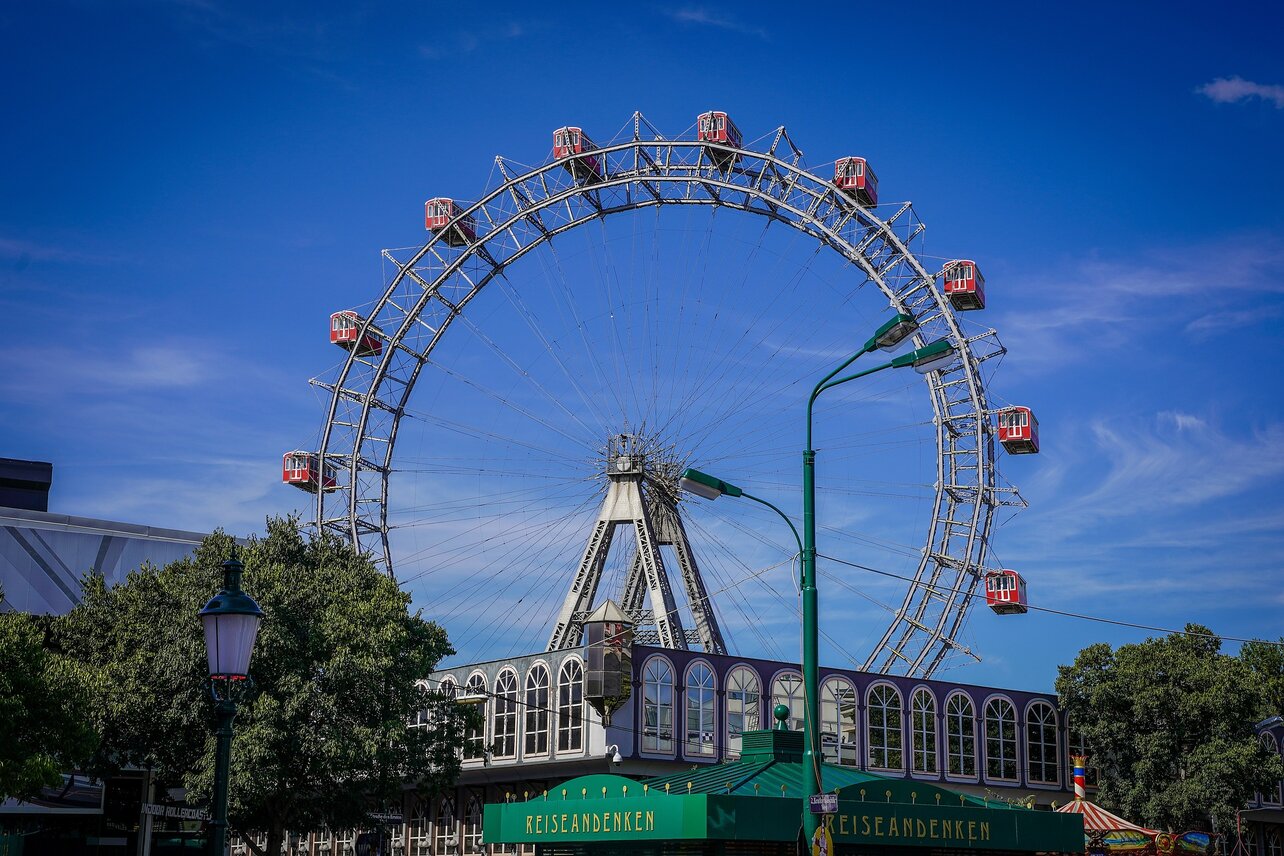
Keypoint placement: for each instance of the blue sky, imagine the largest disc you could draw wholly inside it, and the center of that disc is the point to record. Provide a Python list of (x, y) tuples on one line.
[(192, 187)]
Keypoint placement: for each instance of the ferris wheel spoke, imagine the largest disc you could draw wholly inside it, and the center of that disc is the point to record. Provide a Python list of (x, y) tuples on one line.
[(474, 431), (554, 353), (524, 375)]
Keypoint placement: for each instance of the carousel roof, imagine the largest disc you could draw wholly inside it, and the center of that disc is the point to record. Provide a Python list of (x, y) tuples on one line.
[(1097, 819)]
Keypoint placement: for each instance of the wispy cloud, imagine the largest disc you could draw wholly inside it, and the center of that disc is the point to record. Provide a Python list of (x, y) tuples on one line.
[(1230, 90), (1185, 288), (704, 17), (462, 42)]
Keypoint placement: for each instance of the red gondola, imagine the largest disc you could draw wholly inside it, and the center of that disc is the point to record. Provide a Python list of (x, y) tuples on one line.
[(1018, 431), (437, 216), (345, 329), (717, 127), (303, 470), (1005, 592), (964, 285), (856, 178), (572, 147)]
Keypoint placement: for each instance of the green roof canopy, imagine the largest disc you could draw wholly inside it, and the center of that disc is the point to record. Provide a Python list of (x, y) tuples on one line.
[(758, 798)]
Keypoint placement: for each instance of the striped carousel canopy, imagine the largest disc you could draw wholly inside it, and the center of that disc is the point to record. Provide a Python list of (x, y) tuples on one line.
[(1097, 819)]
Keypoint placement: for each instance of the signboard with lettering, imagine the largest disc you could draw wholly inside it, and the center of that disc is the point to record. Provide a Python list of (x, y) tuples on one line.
[(605, 808), (181, 812), (823, 803)]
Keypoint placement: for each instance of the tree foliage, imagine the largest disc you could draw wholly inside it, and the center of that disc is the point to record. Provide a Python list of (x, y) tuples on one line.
[(44, 709), (1169, 726), (322, 737)]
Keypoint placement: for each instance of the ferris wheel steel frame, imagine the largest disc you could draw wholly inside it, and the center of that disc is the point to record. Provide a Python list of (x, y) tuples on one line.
[(434, 283)]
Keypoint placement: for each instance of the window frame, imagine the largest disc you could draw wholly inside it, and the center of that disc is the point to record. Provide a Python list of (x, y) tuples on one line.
[(1001, 741), (656, 743), (506, 706), (749, 710), (930, 733), (965, 736), (536, 741), (877, 722), (570, 708), (706, 710), (1050, 753), (794, 722), (475, 739), (845, 753)]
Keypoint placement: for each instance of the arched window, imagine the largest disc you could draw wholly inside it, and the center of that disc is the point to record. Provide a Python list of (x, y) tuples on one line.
[(1248, 837), (1079, 746), (423, 715), (700, 710), (505, 727), (570, 707), (472, 828), (444, 829), (923, 730), (537, 710), (657, 706), (838, 722), (743, 694), (883, 734), (1000, 740), (787, 689), (960, 736), (419, 831), (475, 738), (1041, 744), (1272, 796)]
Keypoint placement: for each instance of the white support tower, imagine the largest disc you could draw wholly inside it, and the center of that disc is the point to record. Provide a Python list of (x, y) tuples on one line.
[(637, 497)]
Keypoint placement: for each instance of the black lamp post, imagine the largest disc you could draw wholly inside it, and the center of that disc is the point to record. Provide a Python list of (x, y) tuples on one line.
[(231, 621)]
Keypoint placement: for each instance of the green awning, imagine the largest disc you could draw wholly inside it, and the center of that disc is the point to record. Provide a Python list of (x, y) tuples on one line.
[(758, 798)]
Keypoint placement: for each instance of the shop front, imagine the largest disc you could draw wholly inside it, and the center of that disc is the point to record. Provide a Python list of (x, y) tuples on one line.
[(753, 807)]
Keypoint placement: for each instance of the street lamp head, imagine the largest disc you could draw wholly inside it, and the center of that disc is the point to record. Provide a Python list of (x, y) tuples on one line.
[(893, 333), (706, 486), (928, 358), (231, 620)]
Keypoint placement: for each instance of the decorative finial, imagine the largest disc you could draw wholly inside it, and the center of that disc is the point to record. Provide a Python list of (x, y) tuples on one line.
[(563, 793), (626, 790), (584, 793), (604, 792), (781, 713), (889, 795), (666, 787), (546, 795), (756, 785), (914, 797), (862, 794), (645, 788), (526, 795), (689, 787), (938, 799)]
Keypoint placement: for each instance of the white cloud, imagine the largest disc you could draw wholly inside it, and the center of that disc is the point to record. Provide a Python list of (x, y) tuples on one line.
[(1230, 90), (701, 16)]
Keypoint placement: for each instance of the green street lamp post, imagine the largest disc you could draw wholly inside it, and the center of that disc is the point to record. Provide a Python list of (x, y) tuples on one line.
[(231, 621), (926, 359)]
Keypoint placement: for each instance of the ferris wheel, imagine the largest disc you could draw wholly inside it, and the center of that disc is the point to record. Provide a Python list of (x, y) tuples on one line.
[(545, 364)]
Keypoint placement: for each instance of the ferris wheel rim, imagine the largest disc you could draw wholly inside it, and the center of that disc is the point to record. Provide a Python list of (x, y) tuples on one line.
[(529, 207)]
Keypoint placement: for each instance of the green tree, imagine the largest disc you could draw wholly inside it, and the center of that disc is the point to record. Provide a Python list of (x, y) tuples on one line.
[(1169, 727), (1266, 660), (44, 709), (322, 737)]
